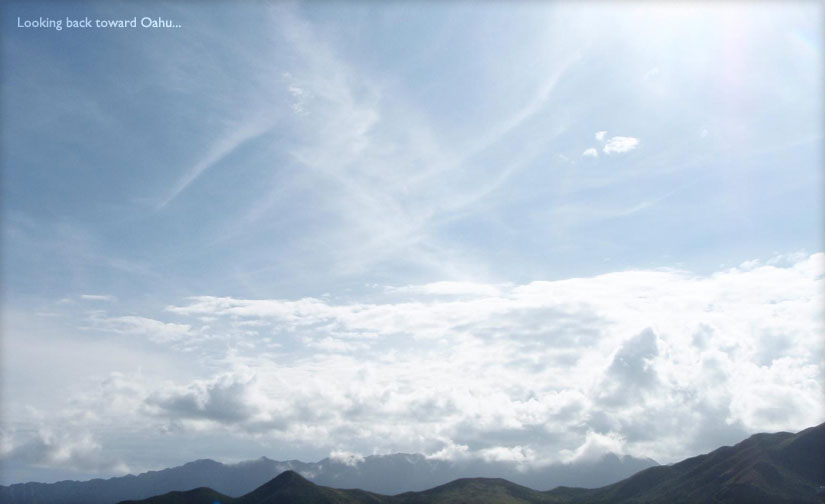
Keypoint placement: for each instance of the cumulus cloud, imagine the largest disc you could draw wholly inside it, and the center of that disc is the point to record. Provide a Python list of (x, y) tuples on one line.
[(632, 371), (591, 152), (600, 135), (594, 447), (620, 145), (227, 399), (78, 451)]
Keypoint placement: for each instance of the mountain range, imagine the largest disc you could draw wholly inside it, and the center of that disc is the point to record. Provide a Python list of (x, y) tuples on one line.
[(770, 468), (765, 468), (384, 474)]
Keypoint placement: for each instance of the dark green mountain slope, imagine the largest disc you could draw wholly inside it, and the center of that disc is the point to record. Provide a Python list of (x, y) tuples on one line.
[(288, 487), (291, 488), (477, 491), (778, 468), (196, 496)]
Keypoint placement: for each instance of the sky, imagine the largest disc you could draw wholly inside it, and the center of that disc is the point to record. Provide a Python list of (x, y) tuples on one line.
[(525, 231)]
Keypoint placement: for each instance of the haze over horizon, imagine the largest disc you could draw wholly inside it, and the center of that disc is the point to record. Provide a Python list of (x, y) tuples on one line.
[(537, 232)]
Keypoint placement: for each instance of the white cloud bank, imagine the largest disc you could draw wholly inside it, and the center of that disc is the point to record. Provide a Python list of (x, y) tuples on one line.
[(659, 363)]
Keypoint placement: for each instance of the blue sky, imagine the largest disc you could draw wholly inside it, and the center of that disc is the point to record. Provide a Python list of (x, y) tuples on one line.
[(368, 198)]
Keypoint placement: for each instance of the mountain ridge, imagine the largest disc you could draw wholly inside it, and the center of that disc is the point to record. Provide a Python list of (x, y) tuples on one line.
[(779, 468), (385, 474)]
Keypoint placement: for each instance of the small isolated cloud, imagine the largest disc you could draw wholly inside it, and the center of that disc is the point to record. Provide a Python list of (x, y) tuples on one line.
[(600, 135), (619, 145), (591, 152), (299, 96), (98, 297), (299, 92), (652, 73)]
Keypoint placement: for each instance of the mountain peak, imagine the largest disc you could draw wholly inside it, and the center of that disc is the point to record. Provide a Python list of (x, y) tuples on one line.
[(200, 463), (286, 481), (290, 477)]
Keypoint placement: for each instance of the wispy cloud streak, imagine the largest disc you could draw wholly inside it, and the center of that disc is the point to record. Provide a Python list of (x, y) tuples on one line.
[(217, 151)]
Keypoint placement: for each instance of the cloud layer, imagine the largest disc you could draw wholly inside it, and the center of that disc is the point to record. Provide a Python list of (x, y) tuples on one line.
[(659, 363)]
